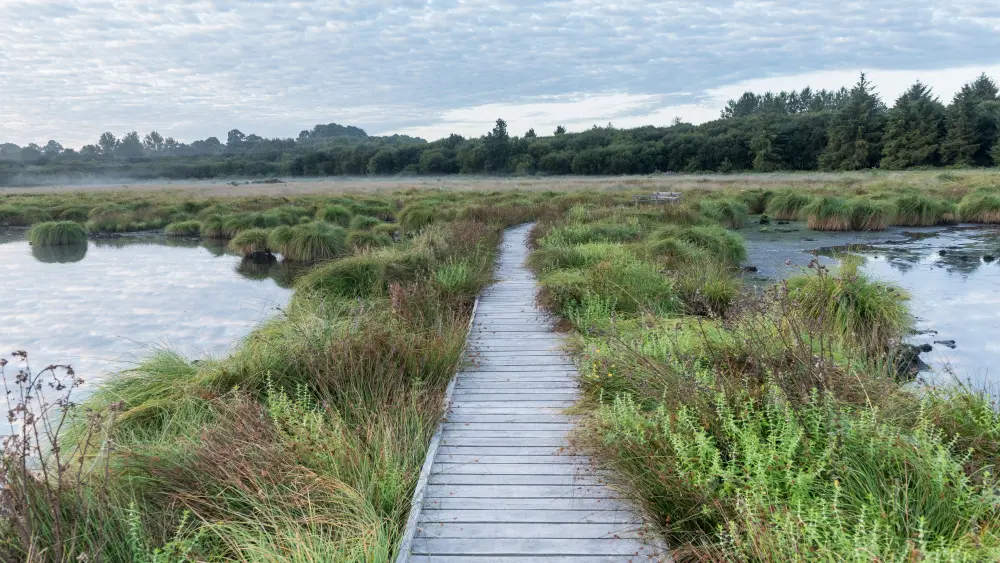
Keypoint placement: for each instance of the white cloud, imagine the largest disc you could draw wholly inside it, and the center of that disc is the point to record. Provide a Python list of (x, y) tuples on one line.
[(70, 69)]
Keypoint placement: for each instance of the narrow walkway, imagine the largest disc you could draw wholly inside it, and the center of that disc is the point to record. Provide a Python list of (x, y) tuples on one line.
[(502, 487)]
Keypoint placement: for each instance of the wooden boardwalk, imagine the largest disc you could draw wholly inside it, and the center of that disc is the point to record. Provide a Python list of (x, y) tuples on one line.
[(502, 487)]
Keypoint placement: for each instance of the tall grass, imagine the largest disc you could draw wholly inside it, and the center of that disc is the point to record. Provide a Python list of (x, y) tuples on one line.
[(729, 212), (250, 241), (57, 233), (828, 214), (870, 215), (788, 205), (310, 242), (918, 210), (188, 228), (980, 208)]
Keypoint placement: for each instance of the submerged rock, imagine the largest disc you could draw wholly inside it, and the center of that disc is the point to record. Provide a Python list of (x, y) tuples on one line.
[(949, 343), (989, 258), (908, 363), (765, 220), (750, 269)]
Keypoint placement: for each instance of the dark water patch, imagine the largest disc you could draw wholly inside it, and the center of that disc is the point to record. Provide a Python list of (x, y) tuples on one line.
[(104, 307)]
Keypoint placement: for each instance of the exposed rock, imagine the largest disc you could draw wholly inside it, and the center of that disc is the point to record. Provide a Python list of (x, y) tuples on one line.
[(765, 220), (949, 343), (989, 258), (750, 268)]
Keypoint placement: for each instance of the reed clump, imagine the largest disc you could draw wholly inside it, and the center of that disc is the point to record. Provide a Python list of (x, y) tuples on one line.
[(828, 214), (190, 228), (250, 241), (788, 205), (57, 233)]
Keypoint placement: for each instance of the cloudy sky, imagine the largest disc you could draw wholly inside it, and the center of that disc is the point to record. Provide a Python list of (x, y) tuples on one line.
[(70, 69)]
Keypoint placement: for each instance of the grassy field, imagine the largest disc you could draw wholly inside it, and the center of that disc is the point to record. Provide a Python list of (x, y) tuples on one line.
[(748, 425)]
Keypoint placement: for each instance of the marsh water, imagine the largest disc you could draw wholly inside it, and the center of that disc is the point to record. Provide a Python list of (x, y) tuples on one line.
[(951, 273), (103, 307)]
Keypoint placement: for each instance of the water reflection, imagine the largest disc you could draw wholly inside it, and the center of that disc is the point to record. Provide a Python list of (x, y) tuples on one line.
[(59, 254), (106, 306), (952, 275)]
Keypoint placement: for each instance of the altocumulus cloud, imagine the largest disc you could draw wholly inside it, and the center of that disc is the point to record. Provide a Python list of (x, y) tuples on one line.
[(70, 69)]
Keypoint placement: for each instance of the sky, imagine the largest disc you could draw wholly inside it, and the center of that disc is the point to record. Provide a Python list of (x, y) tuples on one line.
[(71, 69)]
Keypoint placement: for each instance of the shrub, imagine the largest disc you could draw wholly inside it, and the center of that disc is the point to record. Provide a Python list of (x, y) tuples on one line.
[(183, 229), (787, 205), (364, 222), (828, 214), (336, 214), (57, 233), (918, 210), (730, 213), (980, 208), (870, 215), (250, 241)]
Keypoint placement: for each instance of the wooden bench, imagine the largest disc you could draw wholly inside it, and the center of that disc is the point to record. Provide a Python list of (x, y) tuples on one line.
[(656, 197)]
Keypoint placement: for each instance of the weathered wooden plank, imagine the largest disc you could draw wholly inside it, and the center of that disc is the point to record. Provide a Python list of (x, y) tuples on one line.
[(513, 459), (501, 450), (503, 479), (525, 559), (462, 431), (519, 491), (485, 395), (522, 531), (513, 440), (580, 467), (530, 546), (507, 418), (533, 516), (561, 503)]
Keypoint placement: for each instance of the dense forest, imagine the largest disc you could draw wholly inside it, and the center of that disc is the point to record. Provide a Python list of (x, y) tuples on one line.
[(848, 129)]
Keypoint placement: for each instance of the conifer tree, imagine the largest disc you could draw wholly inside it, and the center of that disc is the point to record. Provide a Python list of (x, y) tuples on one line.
[(855, 135), (915, 130), (972, 124)]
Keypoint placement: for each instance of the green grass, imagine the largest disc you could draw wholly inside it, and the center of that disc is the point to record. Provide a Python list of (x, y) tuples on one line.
[(862, 311), (232, 225), (870, 215), (364, 222), (828, 214), (980, 208), (417, 216), (250, 241), (211, 227), (366, 239), (918, 210), (720, 244), (310, 242), (729, 212), (57, 233), (788, 205), (190, 228), (335, 214)]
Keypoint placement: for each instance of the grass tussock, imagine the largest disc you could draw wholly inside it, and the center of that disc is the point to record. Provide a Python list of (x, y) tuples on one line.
[(980, 208), (729, 212), (870, 215), (189, 228), (828, 214), (335, 214), (310, 242), (918, 210), (250, 241), (57, 233), (788, 205)]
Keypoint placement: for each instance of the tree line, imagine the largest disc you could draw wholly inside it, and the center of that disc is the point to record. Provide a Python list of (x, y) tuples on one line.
[(847, 129)]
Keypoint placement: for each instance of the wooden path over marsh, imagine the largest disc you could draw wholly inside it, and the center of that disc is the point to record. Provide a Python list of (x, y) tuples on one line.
[(500, 485)]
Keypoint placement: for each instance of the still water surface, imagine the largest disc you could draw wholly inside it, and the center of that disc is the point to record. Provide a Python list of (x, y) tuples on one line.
[(952, 275), (102, 308)]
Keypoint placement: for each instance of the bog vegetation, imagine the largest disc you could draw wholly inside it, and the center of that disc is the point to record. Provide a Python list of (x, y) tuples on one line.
[(747, 425), (848, 129)]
